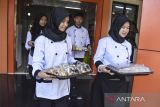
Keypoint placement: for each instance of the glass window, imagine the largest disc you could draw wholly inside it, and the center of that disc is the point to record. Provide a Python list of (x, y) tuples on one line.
[(129, 10)]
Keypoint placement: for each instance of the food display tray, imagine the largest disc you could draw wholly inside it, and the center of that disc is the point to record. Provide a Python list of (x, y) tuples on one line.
[(117, 70), (70, 76)]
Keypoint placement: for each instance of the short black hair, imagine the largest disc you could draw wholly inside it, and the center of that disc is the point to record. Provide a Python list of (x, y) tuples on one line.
[(79, 14)]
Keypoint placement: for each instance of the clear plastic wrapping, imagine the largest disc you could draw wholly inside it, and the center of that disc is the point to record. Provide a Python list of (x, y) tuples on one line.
[(131, 69), (65, 71)]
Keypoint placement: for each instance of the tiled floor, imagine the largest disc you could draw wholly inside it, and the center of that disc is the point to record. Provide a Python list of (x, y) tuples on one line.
[(18, 91)]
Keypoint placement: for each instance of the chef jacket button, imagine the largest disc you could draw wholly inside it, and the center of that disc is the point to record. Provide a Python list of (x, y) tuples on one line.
[(127, 58), (56, 53), (51, 41), (65, 41), (66, 52), (115, 46), (126, 48), (117, 56)]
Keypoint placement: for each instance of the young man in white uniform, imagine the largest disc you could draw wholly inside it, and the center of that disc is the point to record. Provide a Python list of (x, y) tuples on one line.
[(80, 37), (80, 44)]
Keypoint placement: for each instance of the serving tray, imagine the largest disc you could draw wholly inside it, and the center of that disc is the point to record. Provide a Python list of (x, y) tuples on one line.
[(66, 71), (132, 69)]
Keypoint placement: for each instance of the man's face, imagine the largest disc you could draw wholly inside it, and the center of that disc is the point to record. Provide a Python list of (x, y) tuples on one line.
[(78, 20)]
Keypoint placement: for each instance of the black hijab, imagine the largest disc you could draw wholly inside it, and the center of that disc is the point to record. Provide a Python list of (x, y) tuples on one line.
[(36, 29), (51, 31), (116, 26)]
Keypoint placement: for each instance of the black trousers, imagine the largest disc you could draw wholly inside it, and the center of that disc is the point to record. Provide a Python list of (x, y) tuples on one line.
[(33, 80), (30, 71), (62, 102), (75, 92), (104, 83)]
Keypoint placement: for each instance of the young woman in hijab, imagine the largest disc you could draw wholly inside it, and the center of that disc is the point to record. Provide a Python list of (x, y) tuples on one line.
[(39, 24), (52, 49), (112, 50)]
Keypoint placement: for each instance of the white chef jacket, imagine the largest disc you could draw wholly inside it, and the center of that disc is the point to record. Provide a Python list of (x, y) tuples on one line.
[(80, 38), (28, 47), (48, 54), (110, 52)]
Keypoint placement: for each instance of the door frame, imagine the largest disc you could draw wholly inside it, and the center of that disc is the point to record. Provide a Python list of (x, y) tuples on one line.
[(11, 37), (12, 28)]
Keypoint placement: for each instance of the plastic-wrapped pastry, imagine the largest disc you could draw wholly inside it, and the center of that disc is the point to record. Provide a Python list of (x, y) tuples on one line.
[(86, 68), (76, 48), (82, 68), (133, 69), (67, 71)]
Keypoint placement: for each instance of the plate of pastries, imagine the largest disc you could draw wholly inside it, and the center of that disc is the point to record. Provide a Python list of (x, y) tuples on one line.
[(131, 69), (65, 71)]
